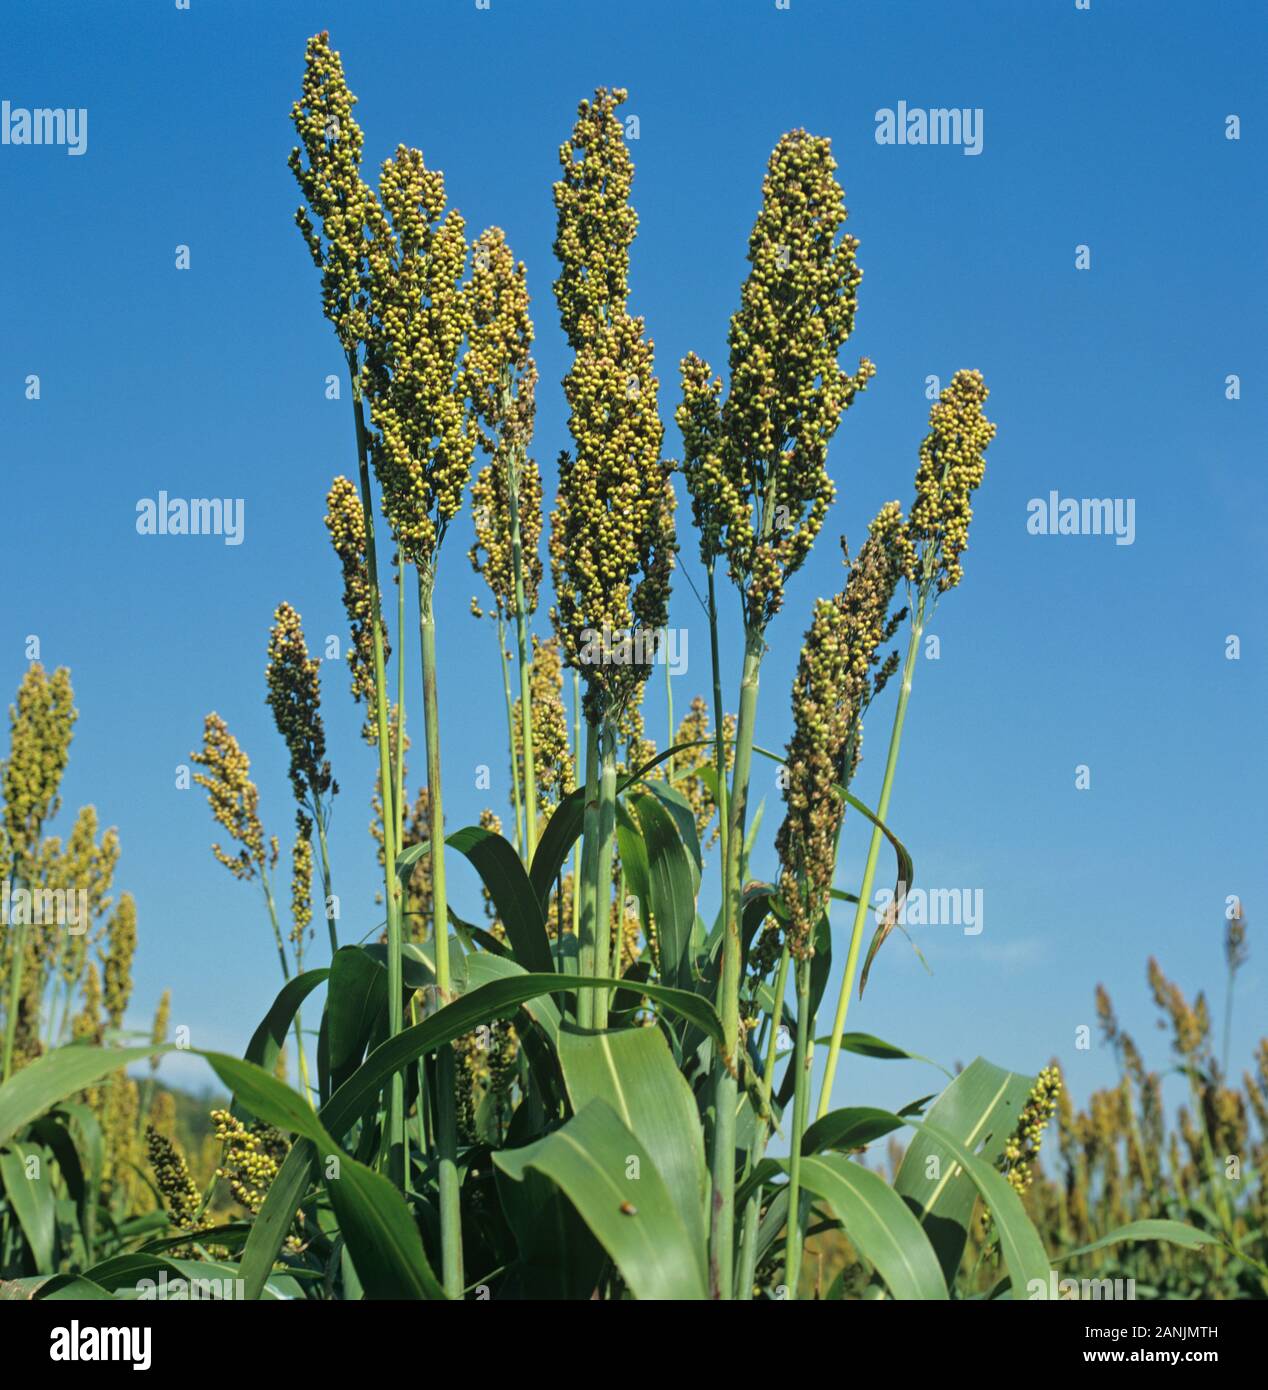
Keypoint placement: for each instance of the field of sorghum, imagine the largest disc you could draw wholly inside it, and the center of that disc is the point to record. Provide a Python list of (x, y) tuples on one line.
[(594, 1092)]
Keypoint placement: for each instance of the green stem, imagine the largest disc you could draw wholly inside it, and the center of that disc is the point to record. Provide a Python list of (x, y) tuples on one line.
[(577, 773), (669, 719), (394, 1135), (752, 1212), (873, 854), (603, 951), (719, 743), (587, 940), (510, 733), (286, 975), (726, 1086), (794, 1239), (447, 1120), (526, 672), (327, 884)]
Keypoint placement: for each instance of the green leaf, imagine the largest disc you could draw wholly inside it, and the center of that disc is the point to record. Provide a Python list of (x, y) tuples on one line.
[(268, 1039), (879, 1223), (58, 1074), (865, 1045), (520, 908), (381, 1236), (679, 811), (634, 1072), (558, 1257), (31, 1199), (979, 1109), (593, 1160), (382, 1239), (1173, 1232), (273, 1220), (672, 887), (497, 999), (355, 1001), (850, 1128), (1019, 1241)]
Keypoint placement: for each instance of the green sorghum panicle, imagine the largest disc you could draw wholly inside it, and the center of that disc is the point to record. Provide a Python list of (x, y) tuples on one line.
[(595, 221), (611, 543), (41, 723), (180, 1193), (833, 686), (345, 521), (757, 461), (714, 493), (424, 444), (552, 754), (694, 728), (952, 465), (500, 378), (234, 799), (336, 196), (1024, 1143), (301, 881), (294, 685), (118, 960)]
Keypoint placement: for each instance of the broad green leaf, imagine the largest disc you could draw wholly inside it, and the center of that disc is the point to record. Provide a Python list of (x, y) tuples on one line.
[(634, 1072), (558, 1257), (680, 812), (382, 1239), (564, 826), (519, 908), (268, 1039), (354, 1003), (879, 1224), (31, 1198), (1019, 1241), (273, 1221), (69, 1288), (979, 1110), (59, 1074), (498, 999), (672, 887), (849, 1129), (609, 1177)]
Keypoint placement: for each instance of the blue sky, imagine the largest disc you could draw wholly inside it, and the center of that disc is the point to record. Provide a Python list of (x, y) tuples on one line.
[(1103, 128)]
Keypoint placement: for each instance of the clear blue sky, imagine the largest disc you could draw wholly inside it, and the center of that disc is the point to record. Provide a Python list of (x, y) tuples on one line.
[(1104, 128)]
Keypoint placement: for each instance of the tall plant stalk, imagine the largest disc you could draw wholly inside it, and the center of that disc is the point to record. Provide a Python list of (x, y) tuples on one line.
[(447, 1122), (526, 670), (753, 1208), (606, 830), (719, 736), (795, 1233), (516, 795), (394, 1131), (578, 763), (590, 931), (726, 1084)]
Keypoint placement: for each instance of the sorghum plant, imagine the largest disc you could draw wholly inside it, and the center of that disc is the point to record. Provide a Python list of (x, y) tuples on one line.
[(611, 541), (756, 467), (952, 465)]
